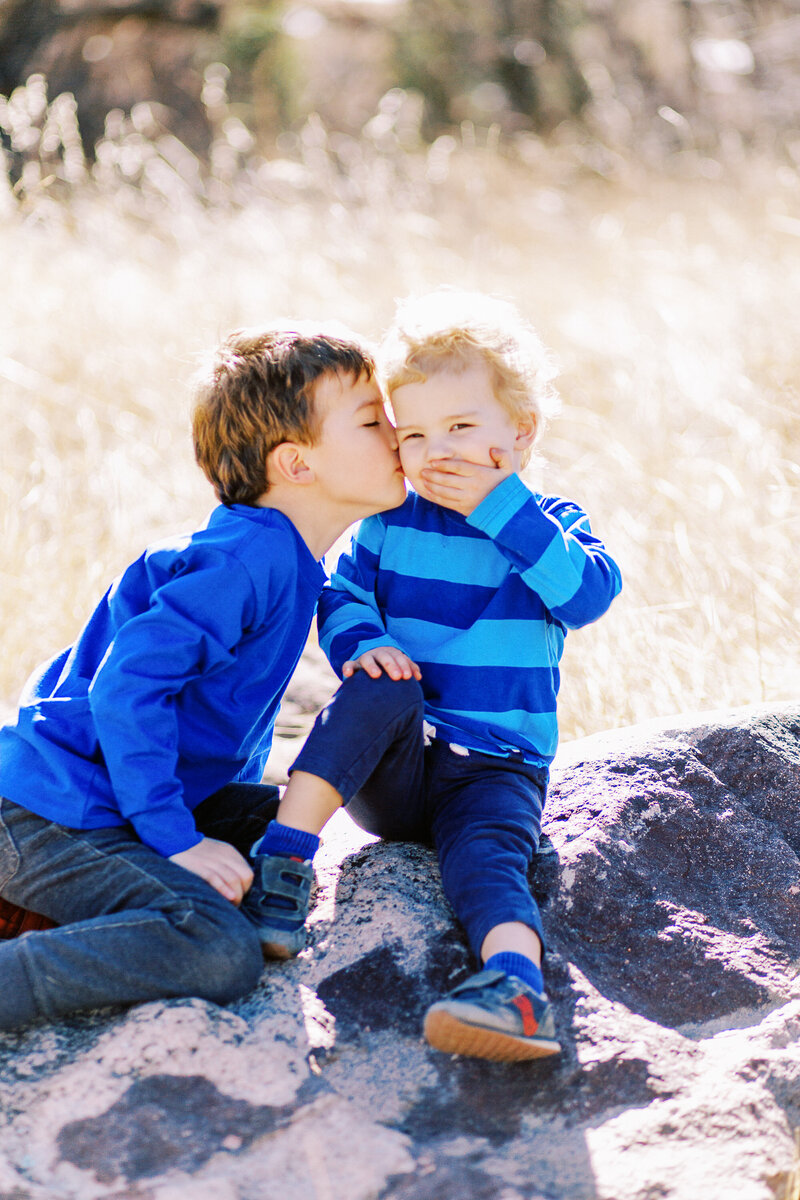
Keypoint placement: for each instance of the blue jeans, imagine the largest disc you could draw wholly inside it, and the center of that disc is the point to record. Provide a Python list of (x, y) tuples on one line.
[(133, 926), (481, 812)]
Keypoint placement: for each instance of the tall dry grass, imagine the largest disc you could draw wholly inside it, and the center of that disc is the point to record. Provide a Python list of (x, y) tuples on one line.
[(671, 304)]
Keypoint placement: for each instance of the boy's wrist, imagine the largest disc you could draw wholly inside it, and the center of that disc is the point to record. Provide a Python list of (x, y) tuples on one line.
[(368, 644), (500, 504), (168, 842)]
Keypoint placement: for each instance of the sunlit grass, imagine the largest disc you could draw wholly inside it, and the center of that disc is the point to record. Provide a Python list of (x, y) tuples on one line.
[(671, 307)]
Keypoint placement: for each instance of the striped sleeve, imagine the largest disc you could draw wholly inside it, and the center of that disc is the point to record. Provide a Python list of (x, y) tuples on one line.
[(550, 544), (348, 618)]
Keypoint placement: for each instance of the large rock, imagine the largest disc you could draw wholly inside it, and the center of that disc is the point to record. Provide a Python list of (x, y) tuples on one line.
[(670, 885)]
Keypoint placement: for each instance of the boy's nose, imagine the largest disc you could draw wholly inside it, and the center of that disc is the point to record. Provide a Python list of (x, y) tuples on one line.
[(437, 448), (389, 433)]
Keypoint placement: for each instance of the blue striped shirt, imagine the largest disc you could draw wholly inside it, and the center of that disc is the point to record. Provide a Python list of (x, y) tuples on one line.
[(481, 603)]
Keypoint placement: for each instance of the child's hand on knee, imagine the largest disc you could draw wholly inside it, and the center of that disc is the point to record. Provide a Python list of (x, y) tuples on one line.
[(383, 658), (219, 864)]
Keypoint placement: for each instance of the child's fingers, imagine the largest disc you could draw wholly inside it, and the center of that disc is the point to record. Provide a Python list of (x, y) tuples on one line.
[(445, 491), (368, 662), (406, 668), (386, 663), (233, 890), (440, 479), (244, 874), (451, 466), (220, 865), (233, 881), (393, 663), (226, 889), (410, 668), (456, 483), (371, 665)]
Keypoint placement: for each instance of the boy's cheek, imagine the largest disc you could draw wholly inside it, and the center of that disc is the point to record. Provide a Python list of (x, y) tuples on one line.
[(407, 463)]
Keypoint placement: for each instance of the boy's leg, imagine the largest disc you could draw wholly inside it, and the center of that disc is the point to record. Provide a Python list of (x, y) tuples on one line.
[(238, 814), (366, 751), (367, 745), (487, 815), (133, 925)]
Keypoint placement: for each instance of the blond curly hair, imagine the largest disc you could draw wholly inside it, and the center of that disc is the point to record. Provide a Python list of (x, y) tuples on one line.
[(453, 330)]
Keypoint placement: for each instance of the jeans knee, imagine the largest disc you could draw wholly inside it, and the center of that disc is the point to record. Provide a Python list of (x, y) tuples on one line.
[(244, 963), (224, 957)]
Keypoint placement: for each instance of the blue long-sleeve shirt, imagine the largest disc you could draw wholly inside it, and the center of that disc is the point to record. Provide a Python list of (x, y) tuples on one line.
[(172, 687), (481, 603)]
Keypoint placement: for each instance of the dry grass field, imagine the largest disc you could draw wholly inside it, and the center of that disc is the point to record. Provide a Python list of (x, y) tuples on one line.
[(671, 305)]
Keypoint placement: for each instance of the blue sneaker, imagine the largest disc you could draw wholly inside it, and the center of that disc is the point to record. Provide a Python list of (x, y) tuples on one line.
[(278, 902), (493, 1015)]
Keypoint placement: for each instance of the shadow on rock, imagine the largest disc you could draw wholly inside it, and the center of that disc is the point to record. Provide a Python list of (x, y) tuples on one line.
[(376, 993), (165, 1122)]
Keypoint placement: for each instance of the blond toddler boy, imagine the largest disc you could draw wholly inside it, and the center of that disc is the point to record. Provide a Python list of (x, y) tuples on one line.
[(446, 621)]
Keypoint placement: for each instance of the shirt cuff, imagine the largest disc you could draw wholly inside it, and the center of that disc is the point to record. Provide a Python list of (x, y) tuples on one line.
[(373, 644), (502, 503), (167, 834)]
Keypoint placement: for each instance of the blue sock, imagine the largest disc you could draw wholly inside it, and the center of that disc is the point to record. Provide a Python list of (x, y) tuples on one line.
[(517, 964), (287, 842)]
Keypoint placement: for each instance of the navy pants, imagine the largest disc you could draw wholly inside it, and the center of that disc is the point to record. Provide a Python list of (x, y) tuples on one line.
[(133, 926), (481, 812)]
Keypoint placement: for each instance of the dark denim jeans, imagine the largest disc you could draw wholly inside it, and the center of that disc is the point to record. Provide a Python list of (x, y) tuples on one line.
[(482, 812), (133, 926)]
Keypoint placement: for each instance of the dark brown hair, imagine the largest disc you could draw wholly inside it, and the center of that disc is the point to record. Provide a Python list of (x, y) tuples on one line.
[(257, 393)]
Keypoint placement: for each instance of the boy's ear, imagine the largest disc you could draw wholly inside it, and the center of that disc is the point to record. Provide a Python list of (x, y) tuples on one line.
[(287, 463), (526, 432)]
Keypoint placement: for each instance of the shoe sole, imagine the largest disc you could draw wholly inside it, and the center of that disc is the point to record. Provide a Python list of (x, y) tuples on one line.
[(445, 1032), (273, 950)]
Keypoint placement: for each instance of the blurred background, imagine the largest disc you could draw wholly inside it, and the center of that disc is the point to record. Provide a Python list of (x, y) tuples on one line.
[(627, 171)]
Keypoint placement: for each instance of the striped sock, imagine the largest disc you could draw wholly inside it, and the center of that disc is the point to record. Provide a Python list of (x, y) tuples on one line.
[(520, 966), (288, 842)]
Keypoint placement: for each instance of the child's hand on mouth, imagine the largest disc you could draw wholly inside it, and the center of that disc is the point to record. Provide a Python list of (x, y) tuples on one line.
[(461, 485)]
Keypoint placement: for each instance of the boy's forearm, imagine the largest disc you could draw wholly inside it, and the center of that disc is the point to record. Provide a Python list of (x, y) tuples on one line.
[(550, 543), (348, 620), (347, 626), (133, 695), (139, 740)]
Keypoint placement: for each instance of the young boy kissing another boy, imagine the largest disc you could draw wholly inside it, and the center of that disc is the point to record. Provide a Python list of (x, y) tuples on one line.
[(130, 779), (446, 622)]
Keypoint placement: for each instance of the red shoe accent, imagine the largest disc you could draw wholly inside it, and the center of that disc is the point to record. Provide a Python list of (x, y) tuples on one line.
[(529, 1022), (14, 921)]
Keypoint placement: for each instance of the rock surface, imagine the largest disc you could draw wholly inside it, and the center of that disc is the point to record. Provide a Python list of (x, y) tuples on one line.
[(670, 885)]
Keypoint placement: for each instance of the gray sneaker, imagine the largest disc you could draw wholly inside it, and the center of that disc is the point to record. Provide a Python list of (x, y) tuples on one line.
[(278, 902), (493, 1015)]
